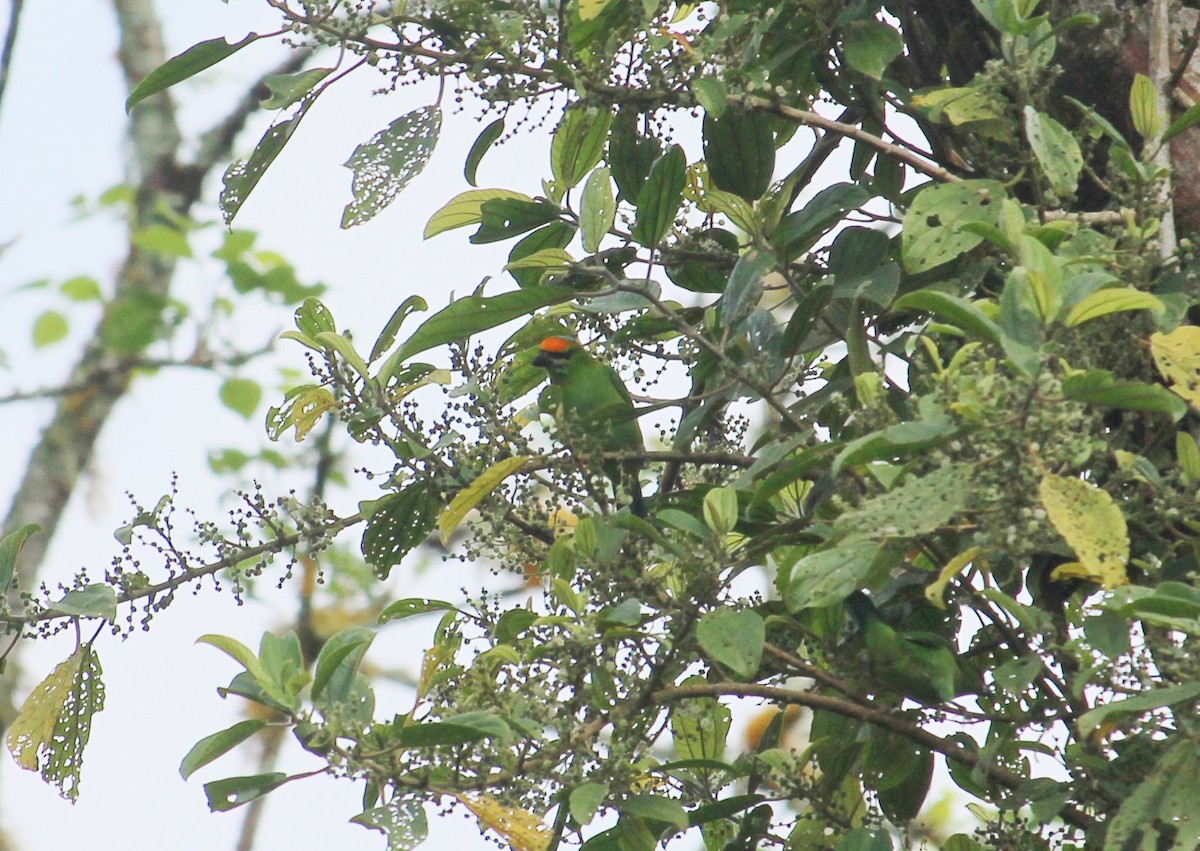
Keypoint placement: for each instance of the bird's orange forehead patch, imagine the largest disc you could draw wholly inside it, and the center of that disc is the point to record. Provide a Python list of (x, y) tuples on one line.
[(559, 344)]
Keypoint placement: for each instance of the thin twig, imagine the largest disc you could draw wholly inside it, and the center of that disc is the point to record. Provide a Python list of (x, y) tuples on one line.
[(869, 715)]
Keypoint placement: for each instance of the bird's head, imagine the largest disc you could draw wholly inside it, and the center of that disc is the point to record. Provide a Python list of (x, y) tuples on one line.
[(555, 353)]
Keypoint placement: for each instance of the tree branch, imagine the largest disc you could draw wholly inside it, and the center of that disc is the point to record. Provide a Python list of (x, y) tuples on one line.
[(867, 715)]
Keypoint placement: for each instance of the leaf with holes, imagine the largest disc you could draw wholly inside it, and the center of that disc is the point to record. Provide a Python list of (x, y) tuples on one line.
[(658, 202), (401, 820), (397, 523), (228, 794), (870, 46), (1091, 524), (733, 638), (242, 176), (1056, 150), (466, 208), (578, 143), (52, 729), (387, 162), (917, 507), (1177, 356), (933, 232)]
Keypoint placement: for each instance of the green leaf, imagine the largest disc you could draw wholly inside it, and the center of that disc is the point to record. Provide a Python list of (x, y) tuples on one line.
[(241, 395), (91, 601), (1098, 387), (1187, 452), (472, 314), (438, 733), (710, 94), (893, 442), (734, 639), (799, 231), (658, 202), (1104, 302), (51, 731), (466, 208), (952, 309), (1138, 705), (870, 46), (411, 607), (700, 728), (933, 232), (1189, 119), (826, 577), (337, 664), (721, 510), (918, 507), (502, 218), (387, 336), (81, 288), (402, 820), (556, 235), (50, 327), (585, 801), (242, 176), (656, 808), (187, 64), (286, 89), (386, 163), (236, 650), (228, 794), (578, 143), (1143, 107), (1161, 812), (598, 209), (162, 239), (1056, 150), (10, 549), (739, 149), (218, 744), (745, 286), (397, 523), (481, 146), (630, 154)]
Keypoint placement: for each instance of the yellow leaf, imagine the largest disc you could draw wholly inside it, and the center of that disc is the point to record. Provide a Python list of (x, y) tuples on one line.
[(473, 494), (521, 829), (935, 592), (1070, 570), (1177, 356), (32, 732), (589, 9), (549, 259), (1091, 523), (465, 209), (1105, 302), (308, 409)]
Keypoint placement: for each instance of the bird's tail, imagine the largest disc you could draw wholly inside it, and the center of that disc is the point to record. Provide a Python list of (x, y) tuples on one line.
[(862, 610)]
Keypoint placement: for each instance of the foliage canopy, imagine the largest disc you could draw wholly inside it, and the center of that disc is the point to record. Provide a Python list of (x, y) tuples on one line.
[(959, 376)]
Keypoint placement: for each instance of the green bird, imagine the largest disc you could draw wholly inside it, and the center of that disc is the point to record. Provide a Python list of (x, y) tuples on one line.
[(919, 665), (596, 406)]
